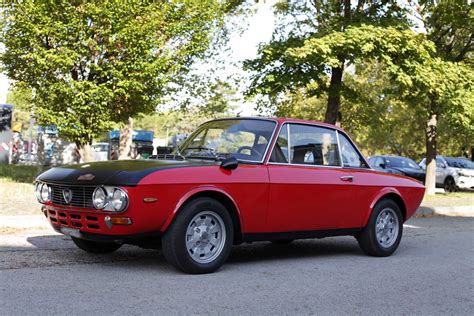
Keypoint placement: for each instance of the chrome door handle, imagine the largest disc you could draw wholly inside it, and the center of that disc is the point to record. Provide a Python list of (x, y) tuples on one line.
[(347, 178)]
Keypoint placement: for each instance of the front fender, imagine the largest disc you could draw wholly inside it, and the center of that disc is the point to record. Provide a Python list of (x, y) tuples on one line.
[(189, 194)]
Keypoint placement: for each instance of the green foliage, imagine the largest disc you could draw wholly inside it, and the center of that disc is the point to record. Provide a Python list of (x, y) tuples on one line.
[(93, 64), (379, 119), (21, 99), (305, 64), (450, 25), (394, 78), (15, 173), (310, 42)]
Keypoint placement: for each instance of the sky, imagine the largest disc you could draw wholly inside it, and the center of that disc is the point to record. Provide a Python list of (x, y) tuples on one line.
[(243, 46)]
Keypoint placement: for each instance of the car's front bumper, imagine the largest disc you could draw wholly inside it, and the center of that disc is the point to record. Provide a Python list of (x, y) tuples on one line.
[(121, 239), (92, 225), (463, 182)]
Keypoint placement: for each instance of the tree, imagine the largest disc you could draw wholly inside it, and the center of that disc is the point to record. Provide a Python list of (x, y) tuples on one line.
[(21, 99), (450, 26), (373, 112), (95, 64), (278, 71)]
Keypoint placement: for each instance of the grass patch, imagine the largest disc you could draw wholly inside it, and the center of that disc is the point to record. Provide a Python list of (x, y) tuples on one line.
[(449, 199), (18, 173), (17, 195)]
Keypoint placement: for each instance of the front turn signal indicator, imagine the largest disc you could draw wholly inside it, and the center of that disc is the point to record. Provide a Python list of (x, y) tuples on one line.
[(117, 220)]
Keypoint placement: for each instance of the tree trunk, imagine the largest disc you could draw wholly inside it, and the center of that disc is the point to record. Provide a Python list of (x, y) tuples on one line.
[(85, 152), (125, 142), (431, 151), (333, 114)]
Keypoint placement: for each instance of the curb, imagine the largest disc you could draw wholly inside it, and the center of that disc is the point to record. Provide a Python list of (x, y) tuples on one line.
[(465, 211)]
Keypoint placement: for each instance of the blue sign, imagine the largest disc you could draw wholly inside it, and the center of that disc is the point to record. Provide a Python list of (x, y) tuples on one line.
[(141, 136)]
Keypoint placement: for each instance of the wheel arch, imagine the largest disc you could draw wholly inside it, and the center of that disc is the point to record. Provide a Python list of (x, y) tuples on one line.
[(388, 193), (449, 177), (214, 193)]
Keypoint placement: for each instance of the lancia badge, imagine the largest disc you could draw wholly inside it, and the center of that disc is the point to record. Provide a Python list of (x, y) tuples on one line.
[(87, 176), (67, 195)]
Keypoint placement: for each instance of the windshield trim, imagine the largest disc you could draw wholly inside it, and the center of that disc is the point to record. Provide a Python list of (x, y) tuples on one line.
[(179, 148)]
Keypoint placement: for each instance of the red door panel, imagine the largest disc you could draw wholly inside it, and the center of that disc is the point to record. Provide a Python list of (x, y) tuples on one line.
[(310, 198)]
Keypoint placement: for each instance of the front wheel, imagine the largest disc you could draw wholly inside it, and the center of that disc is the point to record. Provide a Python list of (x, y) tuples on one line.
[(449, 185), (383, 232), (200, 238), (95, 246)]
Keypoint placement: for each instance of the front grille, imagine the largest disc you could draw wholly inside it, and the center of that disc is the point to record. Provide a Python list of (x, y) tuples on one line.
[(81, 196), (61, 217)]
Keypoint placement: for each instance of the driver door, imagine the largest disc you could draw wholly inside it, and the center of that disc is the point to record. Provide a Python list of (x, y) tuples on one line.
[(309, 189)]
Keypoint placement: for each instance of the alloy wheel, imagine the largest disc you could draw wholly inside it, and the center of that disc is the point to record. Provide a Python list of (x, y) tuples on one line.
[(205, 237), (386, 228)]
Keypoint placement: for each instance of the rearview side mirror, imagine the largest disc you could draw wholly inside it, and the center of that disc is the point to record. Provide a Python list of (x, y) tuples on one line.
[(230, 163), (382, 165)]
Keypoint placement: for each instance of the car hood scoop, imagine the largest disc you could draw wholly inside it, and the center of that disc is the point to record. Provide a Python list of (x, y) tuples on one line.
[(114, 172)]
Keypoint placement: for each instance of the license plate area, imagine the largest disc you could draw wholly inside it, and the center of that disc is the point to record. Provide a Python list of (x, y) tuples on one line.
[(71, 232)]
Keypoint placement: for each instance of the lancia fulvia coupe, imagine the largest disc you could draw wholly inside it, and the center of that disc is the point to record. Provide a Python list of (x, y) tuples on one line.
[(232, 181)]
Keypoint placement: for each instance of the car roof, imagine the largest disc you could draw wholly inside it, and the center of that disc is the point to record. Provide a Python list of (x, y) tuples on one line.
[(282, 120), (384, 156)]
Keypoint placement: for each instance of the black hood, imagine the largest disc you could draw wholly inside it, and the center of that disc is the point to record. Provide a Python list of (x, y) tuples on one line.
[(114, 172), (418, 174)]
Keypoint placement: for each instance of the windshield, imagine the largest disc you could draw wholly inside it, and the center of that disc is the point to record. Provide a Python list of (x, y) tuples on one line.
[(401, 163), (245, 139), (459, 163)]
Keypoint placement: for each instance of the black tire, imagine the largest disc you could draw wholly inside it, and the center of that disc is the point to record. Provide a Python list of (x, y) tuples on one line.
[(449, 185), (174, 239), (95, 246), (282, 241), (368, 238)]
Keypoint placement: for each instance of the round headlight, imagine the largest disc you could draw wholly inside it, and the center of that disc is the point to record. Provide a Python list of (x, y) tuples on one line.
[(119, 200), (44, 193), (99, 198), (37, 191)]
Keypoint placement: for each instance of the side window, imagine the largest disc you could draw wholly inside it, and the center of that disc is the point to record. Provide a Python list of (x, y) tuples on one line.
[(379, 163), (311, 145), (280, 150), (440, 163), (350, 156), (376, 162)]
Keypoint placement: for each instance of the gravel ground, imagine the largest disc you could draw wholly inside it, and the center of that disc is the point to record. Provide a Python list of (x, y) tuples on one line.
[(431, 273)]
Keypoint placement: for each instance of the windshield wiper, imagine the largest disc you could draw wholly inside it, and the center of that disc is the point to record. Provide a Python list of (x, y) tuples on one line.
[(215, 156), (178, 154)]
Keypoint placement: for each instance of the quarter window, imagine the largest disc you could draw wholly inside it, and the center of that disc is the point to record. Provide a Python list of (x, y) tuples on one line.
[(350, 156), (280, 150), (311, 145)]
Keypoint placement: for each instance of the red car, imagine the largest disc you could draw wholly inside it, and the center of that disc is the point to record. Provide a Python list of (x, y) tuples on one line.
[(232, 181)]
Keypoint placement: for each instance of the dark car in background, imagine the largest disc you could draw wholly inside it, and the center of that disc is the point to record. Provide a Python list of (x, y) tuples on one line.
[(398, 165)]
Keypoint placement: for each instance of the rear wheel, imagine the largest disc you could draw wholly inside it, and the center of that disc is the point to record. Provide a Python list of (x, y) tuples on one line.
[(449, 185), (200, 238), (383, 232), (95, 246)]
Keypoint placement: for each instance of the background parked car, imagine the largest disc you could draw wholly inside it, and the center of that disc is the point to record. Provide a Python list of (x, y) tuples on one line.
[(453, 173), (398, 165)]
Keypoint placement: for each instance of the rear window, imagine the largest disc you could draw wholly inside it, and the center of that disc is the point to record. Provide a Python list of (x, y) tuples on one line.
[(459, 163)]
